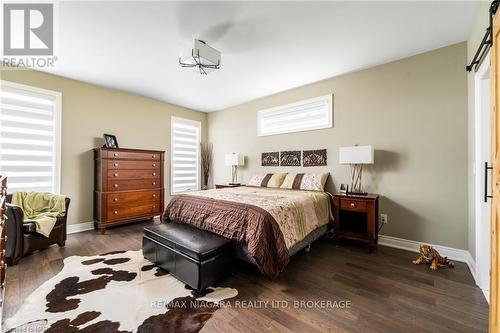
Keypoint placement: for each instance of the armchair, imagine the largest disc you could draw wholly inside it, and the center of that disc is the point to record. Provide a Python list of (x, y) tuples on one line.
[(22, 237)]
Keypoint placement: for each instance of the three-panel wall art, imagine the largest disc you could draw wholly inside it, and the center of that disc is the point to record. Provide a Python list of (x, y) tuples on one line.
[(307, 158)]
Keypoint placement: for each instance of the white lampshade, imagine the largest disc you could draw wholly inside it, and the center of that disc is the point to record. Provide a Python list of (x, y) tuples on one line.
[(234, 159), (356, 155)]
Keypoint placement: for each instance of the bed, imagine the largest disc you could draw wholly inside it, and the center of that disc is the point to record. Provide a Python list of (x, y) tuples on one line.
[(268, 224)]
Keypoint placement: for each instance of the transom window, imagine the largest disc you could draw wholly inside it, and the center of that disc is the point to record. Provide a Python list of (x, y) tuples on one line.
[(306, 115)]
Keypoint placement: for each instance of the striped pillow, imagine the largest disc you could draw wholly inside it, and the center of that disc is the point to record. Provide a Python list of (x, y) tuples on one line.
[(305, 181), (273, 180)]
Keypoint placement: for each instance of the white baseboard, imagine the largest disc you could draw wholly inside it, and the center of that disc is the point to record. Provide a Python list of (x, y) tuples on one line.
[(79, 227), (472, 265), (445, 251)]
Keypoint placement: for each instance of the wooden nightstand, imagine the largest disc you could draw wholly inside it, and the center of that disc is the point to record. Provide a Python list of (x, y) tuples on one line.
[(217, 186), (356, 217)]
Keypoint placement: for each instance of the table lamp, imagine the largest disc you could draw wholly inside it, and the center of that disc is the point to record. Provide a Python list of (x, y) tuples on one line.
[(356, 156), (234, 160)]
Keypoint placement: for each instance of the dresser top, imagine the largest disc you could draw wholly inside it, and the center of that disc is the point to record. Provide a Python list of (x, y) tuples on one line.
[(128, 150)]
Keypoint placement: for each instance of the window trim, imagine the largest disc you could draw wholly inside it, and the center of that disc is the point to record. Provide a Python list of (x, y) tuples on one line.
[(57, 125), (282, 108), (198, 168)]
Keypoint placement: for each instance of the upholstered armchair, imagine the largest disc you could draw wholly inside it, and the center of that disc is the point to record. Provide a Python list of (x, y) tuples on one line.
[(22, 237)]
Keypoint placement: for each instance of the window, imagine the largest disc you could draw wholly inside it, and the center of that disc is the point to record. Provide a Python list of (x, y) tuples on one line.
[(185, 171), (309, 114), (30, 132)]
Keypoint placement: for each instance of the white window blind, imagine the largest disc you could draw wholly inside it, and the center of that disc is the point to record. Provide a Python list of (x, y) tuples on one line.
[(310, 114), (185, 155), (30, 137)]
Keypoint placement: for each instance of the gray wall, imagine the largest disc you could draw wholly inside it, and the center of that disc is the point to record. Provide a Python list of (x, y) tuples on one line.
[(413, 111)]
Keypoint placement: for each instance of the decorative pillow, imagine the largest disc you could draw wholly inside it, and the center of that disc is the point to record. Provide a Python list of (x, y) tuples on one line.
[(276, 180), (305, 181), (256, 180), (273, 180)]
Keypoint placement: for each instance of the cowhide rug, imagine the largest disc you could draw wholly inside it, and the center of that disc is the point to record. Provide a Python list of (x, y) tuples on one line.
[(115, 292)]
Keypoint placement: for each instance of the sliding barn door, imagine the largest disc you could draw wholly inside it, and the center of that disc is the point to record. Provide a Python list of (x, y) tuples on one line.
[(495, 149)]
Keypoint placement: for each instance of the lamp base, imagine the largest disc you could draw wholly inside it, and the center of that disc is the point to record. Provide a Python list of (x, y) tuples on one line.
[(357, 173), (237, 184)]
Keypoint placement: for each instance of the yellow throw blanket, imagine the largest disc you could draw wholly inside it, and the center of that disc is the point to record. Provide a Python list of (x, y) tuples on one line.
[(41, 208)]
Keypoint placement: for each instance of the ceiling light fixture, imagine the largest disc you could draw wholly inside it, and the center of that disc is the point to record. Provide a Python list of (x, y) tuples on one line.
[(203, 57)]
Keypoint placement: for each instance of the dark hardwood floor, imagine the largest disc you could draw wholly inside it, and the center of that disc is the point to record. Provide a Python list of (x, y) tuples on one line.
[(386, 292)]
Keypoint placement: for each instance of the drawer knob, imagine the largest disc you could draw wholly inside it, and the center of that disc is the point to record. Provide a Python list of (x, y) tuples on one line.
[(154, 156), (116, 175), (116, 164), (115, 212), (154, 183), (154, 164), (116, 185), (115, 199), (154, 173), (154, 195), (154, 206), (353, 204), (115, 154)]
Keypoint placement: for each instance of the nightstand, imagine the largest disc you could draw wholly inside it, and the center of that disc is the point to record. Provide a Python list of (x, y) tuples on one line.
[(218, 186), (356, 217)]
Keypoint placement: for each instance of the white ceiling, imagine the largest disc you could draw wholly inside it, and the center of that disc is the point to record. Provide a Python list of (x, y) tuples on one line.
[(267, 47)]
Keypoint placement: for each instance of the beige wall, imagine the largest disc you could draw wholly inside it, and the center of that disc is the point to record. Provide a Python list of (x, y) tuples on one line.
[(88, 111), (476, 35), (413, 111)]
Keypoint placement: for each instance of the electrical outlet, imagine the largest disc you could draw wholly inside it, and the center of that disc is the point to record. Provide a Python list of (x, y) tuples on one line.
[(383, 218)]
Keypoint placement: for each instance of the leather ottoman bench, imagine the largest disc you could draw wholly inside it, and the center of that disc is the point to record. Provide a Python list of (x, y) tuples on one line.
[(196, 257)]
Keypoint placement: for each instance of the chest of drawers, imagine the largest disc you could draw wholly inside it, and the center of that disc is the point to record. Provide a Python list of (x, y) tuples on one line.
[(128, 185)]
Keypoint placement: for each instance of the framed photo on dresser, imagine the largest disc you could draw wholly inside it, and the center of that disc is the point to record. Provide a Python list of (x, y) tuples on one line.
[(110, 141)]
